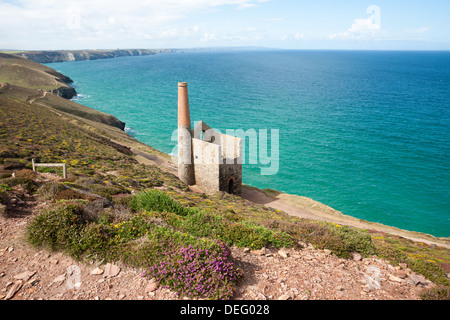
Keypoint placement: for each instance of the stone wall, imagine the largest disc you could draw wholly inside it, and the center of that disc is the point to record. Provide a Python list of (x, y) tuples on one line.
[(218, 163), (229, 172), (206, 165)]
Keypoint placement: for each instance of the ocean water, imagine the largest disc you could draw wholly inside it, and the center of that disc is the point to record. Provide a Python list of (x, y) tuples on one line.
[(365, 132)]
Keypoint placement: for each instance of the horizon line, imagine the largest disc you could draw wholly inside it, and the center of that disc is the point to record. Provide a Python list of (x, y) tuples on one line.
[(224, 48)]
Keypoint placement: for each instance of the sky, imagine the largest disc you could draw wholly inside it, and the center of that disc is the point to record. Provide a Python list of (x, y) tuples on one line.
[(282, 24)]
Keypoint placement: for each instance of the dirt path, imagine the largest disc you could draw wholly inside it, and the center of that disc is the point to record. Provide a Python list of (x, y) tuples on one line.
[(301, 206), (307, 208), (41, 95), (27, 273)]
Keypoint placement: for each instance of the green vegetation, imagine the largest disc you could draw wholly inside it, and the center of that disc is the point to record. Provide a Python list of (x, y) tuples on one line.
[(135, 234), (430, 261), (112, 207), (28, 74)]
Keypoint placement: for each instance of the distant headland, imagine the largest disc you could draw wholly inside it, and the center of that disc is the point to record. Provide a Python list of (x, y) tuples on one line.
[(50, 56)]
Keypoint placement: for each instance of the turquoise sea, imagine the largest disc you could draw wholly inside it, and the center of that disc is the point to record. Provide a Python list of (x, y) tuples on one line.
[(365, 132)]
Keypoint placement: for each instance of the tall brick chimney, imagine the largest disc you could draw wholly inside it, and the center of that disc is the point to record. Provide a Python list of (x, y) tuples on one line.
[(185, 151)]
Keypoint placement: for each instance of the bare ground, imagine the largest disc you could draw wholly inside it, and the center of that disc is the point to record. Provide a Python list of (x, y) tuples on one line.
[(27, 273)]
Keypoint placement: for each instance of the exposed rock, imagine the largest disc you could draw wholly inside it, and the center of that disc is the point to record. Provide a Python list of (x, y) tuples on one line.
[(401, 274), (283, 253), (356, 256), (59, 278), (97, 271), (260, 252), (111, 270), (394, 278), (24, 276), (418, 279), (16, 286), (151, 286), (66, 92)]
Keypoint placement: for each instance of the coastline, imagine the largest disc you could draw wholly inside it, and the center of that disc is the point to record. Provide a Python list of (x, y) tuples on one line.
[(106, 160), (51, 56), (291, 204)]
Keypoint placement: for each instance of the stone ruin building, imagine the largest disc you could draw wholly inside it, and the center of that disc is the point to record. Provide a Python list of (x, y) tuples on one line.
[(206, 158)]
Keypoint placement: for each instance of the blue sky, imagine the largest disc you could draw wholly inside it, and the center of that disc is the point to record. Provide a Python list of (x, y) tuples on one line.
[(289, 24)]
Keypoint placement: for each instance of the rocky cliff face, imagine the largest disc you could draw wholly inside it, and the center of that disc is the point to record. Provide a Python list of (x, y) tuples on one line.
[(77, 55), (65, 92)]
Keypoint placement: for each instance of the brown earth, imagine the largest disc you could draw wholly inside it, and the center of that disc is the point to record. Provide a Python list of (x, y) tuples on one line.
[(27, 273)]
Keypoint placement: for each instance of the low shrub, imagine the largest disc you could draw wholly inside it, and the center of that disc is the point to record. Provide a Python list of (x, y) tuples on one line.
[(201, 224), (95, 240), (27, 173), (201, 269), (5, 175), (58, 227), (133, 228), (438, 293), (49, 190), (107, 191), (156, 200), (27, 184), (430, 270), (4, 187), (352, 240), (3, 198), (188, 265), (341, 240), (122, 199), (69, 194)]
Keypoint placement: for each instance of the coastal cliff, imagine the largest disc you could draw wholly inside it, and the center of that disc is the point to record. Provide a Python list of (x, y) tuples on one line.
[(30, 82), (24, 73), (122, 201), (78, 55)]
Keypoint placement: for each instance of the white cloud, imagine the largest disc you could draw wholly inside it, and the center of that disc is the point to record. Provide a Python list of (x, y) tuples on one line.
[(47, 23), (363, 29)]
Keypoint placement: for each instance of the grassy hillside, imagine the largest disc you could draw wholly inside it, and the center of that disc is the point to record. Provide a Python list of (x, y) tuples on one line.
[(24, 73), (28, 81), (115, 208)]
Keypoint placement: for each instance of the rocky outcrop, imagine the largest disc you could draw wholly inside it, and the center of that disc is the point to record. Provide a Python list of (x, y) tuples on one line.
[(65, 92), (78, 55)]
